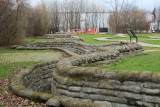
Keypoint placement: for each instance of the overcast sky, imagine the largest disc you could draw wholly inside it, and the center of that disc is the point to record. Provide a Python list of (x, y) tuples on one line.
[(148, 5)]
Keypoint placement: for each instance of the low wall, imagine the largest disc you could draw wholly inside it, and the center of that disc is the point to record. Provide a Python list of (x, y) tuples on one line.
[(89, 86), (114, 89), (57, 36), (39, 78), (19, 89), (79, 47), (95, 84), (35, 84), (111, 91)]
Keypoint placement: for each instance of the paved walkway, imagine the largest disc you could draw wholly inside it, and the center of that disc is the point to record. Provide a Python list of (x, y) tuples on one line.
[(124, 35), (154, 37), (153, 50), (102, 39), (143, 44), (148, 45)]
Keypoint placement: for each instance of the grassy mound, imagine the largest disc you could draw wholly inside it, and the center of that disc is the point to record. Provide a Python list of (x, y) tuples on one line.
[(149, 62)]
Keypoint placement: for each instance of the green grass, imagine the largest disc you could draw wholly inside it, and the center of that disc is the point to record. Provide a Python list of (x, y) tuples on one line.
[(149, 62), (6, 69), (90, 38), (3, 50), (154, 42), (4, 89), (31, 40), (150, 34)]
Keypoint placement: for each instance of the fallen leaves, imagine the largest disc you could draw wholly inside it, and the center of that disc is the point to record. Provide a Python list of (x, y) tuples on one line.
[(8, 99)]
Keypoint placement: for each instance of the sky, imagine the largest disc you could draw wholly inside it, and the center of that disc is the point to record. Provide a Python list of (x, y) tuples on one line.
[(148, 5)]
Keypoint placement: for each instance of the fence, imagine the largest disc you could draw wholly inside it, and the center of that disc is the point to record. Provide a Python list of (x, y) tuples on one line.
[(83, 31)]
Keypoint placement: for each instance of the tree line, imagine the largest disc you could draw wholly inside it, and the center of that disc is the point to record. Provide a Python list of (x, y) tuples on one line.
[(18, 19), (126, 15)]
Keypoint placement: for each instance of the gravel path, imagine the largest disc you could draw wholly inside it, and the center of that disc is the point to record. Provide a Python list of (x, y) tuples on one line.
[(148, 45), (153, 50), (122, 35)]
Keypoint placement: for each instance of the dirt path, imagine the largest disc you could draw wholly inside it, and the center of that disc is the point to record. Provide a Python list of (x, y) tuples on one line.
[(153, 50), (148, 45), (155, 37), (122, 35)]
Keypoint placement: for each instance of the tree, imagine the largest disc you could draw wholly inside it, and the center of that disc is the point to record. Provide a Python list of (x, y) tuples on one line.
[(126, 15), (13, 16), (117, 6), (38, 21), (69, 14), (54, 9), (133, 19)]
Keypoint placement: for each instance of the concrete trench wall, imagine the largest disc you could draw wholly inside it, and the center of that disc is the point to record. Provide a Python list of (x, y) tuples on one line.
[(78, 46), (114, 89), (57, 36), (98, 85), (68, 77), (39, 78), (110, 92)]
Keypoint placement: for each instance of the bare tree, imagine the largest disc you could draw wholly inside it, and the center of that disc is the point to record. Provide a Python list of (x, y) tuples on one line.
[(158, 14), (68, 15), (133, 19), (93, 16), (118, 6), (39, 20), (54, 10), (154, 14), (13, 16)]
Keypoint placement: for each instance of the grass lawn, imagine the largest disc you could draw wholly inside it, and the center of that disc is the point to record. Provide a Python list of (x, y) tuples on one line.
[(90, 38), (7, 68), (149, 62), (3, 50), (150, 34), (18, 59), (154, 42), (31, 40)]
